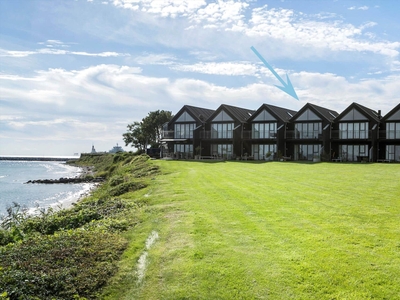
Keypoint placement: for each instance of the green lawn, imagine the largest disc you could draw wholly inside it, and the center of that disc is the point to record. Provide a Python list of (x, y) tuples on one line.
[(243, 230)]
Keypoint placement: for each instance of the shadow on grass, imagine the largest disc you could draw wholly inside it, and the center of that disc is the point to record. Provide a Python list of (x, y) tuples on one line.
[(297, 162)]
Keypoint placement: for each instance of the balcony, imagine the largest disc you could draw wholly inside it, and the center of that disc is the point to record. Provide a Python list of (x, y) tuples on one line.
[(351, 134), (389, 134), (250, 135), (303, 135), (171, 136), (167, 134), (210, 135)]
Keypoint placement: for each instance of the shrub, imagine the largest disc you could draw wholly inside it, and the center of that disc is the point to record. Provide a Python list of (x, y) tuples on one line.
[(48, 222), (126, 187), (5, 237), (63, 266), (116, 180)]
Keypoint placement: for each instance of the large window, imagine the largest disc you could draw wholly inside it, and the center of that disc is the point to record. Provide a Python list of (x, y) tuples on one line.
[(393, 130), (222, 150), (184, 131), (222, 130), (184, 149), (306, 152), (259, 152), (351, 152), (308, 130), (358, 130), (393, 152), (264, 130)]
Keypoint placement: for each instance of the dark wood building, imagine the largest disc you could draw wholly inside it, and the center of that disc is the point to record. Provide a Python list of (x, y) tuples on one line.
[(309, 134), (180, 136), (389, 136), (266, 136), (221, 136), (313, 133), (355, 134)]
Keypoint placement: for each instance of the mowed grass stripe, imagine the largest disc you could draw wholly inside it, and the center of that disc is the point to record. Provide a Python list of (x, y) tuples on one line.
[(237, 230)]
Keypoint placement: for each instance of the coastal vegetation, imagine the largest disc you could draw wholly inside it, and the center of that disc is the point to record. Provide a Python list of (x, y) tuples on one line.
[(213, 230), (71, 253)]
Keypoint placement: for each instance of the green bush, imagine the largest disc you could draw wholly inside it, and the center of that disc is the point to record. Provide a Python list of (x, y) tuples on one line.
[(125, 188), (48, 222), (62, 266), (5, 237), (116, 180), (102, 174)]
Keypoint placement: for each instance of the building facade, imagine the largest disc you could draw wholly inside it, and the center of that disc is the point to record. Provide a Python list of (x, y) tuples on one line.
[(271, 132)]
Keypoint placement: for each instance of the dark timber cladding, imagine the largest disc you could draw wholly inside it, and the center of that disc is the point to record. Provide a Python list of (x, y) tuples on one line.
[(223, 130), (309, 131), (389, 136), (271, 132), (267, 131), (181, 135), (355, 134)]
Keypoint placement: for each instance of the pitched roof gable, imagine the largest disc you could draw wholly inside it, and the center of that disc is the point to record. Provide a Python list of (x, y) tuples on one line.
[(394, 114), (322, 112), (367, 112), (198, 113), (281, 113), (237, 113)]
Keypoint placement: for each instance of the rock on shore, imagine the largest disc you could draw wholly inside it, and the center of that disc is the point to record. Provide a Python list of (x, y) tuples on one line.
[(69, 180)]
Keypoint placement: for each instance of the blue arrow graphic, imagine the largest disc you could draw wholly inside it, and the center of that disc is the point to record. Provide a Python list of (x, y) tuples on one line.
[(287, 87)]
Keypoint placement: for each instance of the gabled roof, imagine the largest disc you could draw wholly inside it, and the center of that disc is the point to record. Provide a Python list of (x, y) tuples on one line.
[(237, 113), (281, 113), (367, 112), (322, 112), (198, 113), (394, 111)]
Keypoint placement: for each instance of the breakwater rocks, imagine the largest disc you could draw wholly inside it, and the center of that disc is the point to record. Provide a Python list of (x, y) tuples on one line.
[(68, 180)]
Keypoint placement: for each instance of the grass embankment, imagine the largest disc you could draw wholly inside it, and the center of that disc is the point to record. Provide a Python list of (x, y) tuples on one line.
[(222, 230), (71, 254), (242, 230)]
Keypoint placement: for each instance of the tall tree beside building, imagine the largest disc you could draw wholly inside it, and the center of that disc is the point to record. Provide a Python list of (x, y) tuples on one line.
[(147, 132)]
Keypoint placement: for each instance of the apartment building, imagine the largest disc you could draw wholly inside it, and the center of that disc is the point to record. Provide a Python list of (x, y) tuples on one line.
[(271, 132)]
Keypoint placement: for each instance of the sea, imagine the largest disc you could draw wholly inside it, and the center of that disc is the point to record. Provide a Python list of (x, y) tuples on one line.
[(14, 189)]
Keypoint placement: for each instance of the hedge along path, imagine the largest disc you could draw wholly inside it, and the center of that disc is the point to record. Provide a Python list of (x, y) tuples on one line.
[(242, 230)]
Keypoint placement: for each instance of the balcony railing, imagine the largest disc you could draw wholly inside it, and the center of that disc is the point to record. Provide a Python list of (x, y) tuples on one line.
[(167, 134), (208, 135), (303, 135), (256, 135), (351, 134), (171, 135), (389, 134)]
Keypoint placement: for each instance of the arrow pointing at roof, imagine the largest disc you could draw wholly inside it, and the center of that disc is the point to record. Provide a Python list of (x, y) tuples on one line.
[(287, 87)]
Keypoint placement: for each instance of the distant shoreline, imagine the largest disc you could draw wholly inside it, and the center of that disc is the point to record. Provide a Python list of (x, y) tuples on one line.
[(39, 158)]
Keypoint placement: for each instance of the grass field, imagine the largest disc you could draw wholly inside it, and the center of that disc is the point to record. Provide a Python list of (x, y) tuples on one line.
[(243, 230)]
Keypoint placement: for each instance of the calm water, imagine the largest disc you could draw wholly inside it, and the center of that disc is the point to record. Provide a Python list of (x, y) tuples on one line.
[(14, 174)]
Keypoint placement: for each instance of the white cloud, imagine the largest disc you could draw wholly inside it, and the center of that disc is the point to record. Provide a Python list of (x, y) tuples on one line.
[(293, 29), (155, 59), (96, 103), (51, 51), (228, 68), (165, 8), (359, 8), (282, 24)]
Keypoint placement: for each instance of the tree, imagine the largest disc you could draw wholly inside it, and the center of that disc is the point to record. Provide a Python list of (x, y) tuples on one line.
[(135, 136), (148, 131)]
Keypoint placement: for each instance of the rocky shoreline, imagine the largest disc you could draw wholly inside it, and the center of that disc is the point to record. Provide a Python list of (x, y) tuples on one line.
[(85, 177), (68, 180)]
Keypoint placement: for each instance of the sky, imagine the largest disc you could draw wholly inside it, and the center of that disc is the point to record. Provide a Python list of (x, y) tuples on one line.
[(75, 73)]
